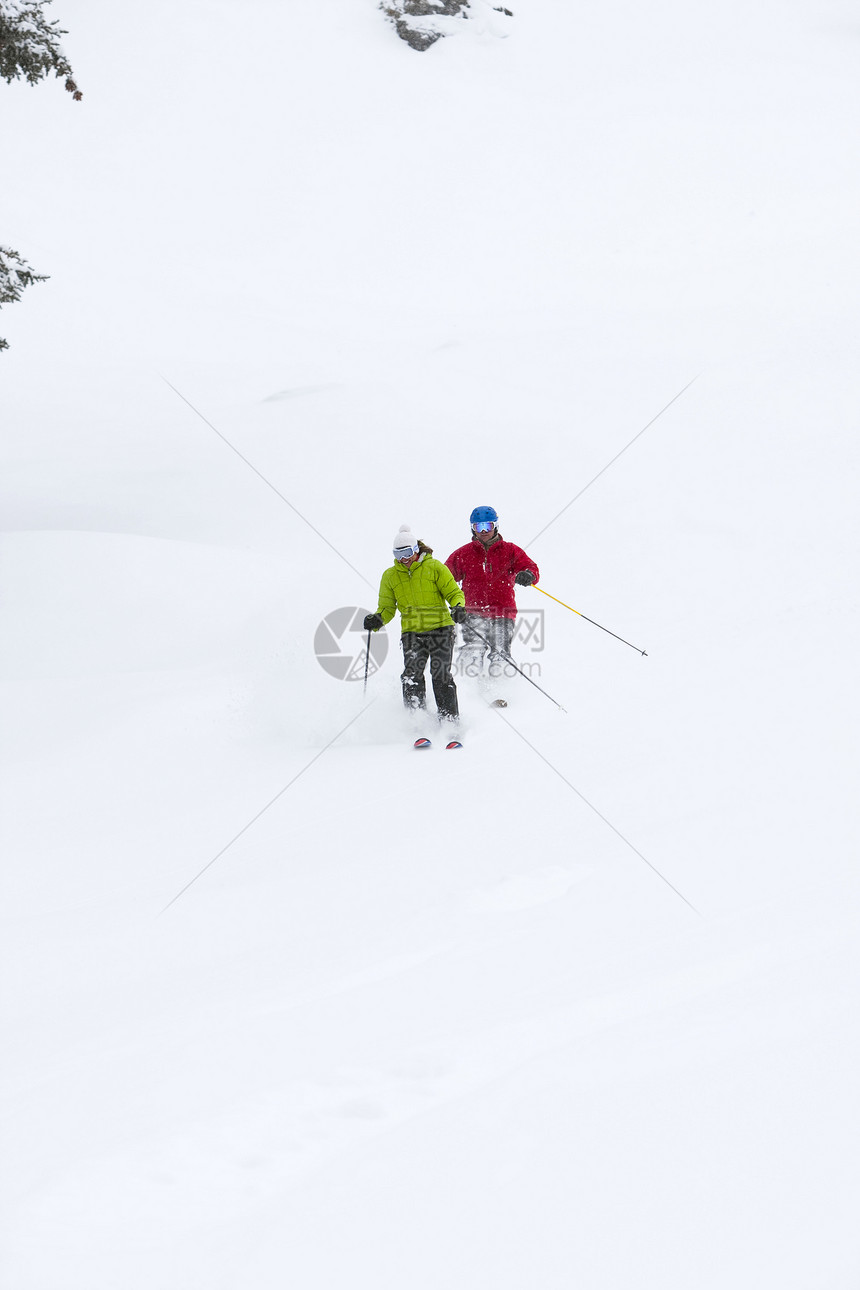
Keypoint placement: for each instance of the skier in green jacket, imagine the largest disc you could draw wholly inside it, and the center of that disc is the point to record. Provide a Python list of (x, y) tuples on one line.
[(422, 589)]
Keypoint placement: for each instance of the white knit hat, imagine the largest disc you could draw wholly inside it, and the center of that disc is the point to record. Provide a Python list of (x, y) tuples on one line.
[(404, 538)]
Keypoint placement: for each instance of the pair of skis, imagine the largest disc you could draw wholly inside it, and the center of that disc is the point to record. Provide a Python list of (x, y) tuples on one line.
[(455, 743)]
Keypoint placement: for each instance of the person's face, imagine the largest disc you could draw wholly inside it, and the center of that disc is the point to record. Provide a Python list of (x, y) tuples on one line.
[(483, 534)]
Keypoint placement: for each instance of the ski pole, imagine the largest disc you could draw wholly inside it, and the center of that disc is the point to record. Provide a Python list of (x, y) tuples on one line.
[(366, 663), (508, 659), (590, 620)]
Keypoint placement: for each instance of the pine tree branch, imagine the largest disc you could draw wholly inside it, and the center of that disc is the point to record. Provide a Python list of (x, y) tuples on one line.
[(15, 276), (30, 45)]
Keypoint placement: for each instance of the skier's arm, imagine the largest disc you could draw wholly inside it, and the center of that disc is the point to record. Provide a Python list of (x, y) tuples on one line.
[(521, 563), (454, 565), (387, 603), (448, 587)]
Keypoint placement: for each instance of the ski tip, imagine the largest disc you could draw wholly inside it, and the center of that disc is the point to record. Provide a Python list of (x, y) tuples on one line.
[(422, 743), (455, 743)]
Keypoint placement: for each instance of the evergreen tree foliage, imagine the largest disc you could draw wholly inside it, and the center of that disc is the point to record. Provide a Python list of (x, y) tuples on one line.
[(15, 275), (29, 50), (29, 45)]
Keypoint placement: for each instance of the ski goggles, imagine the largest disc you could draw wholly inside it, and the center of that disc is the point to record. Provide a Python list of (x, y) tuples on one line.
[(484, 526), (402, 553)]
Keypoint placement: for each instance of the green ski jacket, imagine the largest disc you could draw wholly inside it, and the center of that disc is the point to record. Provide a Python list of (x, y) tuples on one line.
[(420, 593)]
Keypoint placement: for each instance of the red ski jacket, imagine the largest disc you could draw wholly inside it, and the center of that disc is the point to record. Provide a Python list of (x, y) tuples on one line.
[(487, 575)]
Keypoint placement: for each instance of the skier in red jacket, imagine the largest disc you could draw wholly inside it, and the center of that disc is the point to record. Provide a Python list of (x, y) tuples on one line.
[(488, 567)]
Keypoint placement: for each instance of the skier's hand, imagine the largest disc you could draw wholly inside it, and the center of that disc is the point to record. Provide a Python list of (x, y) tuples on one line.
[(373, 622), (525, 578), (458, 613)]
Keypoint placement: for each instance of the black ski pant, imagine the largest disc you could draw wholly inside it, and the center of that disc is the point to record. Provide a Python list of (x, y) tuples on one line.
[(437, 646)]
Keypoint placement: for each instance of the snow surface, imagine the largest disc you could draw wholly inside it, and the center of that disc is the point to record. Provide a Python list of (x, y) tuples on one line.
[(577, 1006)]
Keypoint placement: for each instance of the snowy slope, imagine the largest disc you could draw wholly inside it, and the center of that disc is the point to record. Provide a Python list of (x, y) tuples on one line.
[(284, 1003)]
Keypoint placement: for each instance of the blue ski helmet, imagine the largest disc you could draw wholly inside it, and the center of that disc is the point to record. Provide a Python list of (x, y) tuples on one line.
[(483, 513)]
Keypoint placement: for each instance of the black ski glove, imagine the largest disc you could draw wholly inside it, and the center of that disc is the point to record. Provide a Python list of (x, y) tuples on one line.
[(373, 622), (458, 613), (525, 578)]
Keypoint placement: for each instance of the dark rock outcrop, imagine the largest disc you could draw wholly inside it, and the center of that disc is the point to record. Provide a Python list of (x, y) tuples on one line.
[(413, 19)]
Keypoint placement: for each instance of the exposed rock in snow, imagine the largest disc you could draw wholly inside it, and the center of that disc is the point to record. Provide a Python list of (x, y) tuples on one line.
[(422, 22)]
